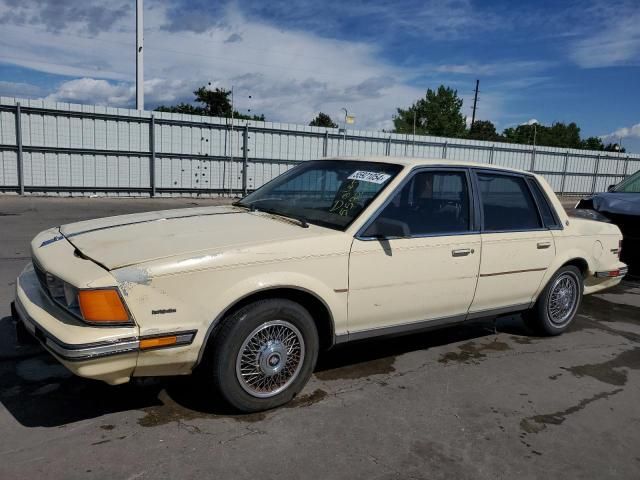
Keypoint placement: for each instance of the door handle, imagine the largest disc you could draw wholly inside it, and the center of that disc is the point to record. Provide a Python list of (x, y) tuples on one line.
[(542, 245), (461, 252)]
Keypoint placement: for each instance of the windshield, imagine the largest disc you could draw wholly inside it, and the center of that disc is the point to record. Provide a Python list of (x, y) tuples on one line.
[(630, 185), (330, 193)]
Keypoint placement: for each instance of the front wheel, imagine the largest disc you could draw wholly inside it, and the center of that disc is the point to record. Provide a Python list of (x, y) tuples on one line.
[(558, 303), (264, 354)]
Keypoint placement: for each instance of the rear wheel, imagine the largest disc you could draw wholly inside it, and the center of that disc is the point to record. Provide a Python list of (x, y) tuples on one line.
[(264, 354), (558, 303)]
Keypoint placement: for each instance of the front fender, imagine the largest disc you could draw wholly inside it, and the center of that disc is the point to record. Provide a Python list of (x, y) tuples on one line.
[(335, 302)]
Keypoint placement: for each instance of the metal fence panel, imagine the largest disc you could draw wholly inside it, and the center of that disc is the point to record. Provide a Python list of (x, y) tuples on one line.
[(80, 149)]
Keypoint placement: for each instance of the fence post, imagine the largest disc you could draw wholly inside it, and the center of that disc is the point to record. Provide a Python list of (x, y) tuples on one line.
[(388, 146), (245, 158), (152, 156), (325, 145), (444, 150), (491, 153), (533, 160), (595, 174), (564, 172), (20, 159), (626, 167)]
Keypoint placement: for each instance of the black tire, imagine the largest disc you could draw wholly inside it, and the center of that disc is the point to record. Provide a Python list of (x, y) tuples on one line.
[(541, 317), (224, 361)]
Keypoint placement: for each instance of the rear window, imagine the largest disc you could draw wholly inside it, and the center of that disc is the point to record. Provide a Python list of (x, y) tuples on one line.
[(507, 203), (550, 220)]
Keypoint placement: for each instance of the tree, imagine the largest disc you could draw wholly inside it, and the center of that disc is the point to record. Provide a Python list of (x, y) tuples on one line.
[(557, 135), (323, 120), (438, 113), (592, 143), (483, 130), (614, 147), (215, 103)]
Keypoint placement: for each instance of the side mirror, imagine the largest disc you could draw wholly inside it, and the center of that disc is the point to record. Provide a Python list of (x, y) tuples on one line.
[(610, 188), (387, 227)]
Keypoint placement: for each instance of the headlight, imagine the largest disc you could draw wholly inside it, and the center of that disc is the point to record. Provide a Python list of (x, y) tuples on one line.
[(101, 306), (61, 292)]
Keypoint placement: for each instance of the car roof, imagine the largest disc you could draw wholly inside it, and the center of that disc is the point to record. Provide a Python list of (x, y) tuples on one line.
[(424, 162)]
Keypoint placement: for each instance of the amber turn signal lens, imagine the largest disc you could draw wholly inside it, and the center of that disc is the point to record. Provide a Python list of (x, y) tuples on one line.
[(102, 306), (156, 342)]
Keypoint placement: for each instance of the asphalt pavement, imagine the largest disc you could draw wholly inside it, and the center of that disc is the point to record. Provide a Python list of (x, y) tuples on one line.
[(467, 402)]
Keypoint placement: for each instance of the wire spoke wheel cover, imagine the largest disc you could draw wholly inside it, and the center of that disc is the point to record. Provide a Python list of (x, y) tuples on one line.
[(563, 299), (270, 359)]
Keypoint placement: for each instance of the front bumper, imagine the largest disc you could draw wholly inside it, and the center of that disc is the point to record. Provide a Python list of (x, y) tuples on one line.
[(109, 354), (100, 353)]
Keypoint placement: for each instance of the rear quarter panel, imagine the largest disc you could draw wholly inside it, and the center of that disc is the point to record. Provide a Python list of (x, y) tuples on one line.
[(592, 241)]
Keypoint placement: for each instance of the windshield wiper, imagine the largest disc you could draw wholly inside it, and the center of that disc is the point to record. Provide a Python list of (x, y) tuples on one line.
[(301, 220), (253, 208)]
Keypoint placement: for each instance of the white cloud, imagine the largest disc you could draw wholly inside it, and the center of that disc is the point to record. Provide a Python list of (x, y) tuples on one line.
[(614, 42), (290, 74), (87, 15), (532, 121), (102, 92), (626, 132), (91, 90), (12, 89), (488, 69)]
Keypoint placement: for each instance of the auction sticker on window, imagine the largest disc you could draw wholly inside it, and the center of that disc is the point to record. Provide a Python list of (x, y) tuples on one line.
[(371, 177)]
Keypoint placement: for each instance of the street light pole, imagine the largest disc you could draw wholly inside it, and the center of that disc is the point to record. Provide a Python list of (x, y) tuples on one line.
[(231, 150)]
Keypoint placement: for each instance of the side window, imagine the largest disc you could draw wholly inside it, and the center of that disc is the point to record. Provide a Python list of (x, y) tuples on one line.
[(430, 203), (507, 203), (545, 209)]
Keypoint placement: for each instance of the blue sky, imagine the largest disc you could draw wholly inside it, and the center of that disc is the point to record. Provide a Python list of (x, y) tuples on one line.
[(545, 60)]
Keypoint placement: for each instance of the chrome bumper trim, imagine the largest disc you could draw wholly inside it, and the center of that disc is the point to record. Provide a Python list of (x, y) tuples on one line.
[(620, 272), (89, 351)]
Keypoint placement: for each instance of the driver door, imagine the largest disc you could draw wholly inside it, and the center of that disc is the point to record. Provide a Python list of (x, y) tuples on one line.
[(417, 260)]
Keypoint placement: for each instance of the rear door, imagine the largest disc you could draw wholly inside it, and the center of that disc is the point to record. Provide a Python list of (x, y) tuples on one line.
[(517, 248)]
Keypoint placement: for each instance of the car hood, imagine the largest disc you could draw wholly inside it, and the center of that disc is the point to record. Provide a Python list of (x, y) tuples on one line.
[(126, 240), (616, 203)]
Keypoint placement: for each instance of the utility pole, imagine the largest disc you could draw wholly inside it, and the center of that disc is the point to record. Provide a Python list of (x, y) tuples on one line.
[(139, 57), (475, 102)]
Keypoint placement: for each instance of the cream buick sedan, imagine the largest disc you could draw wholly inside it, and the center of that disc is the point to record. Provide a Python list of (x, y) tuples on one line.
[(332, 251)]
